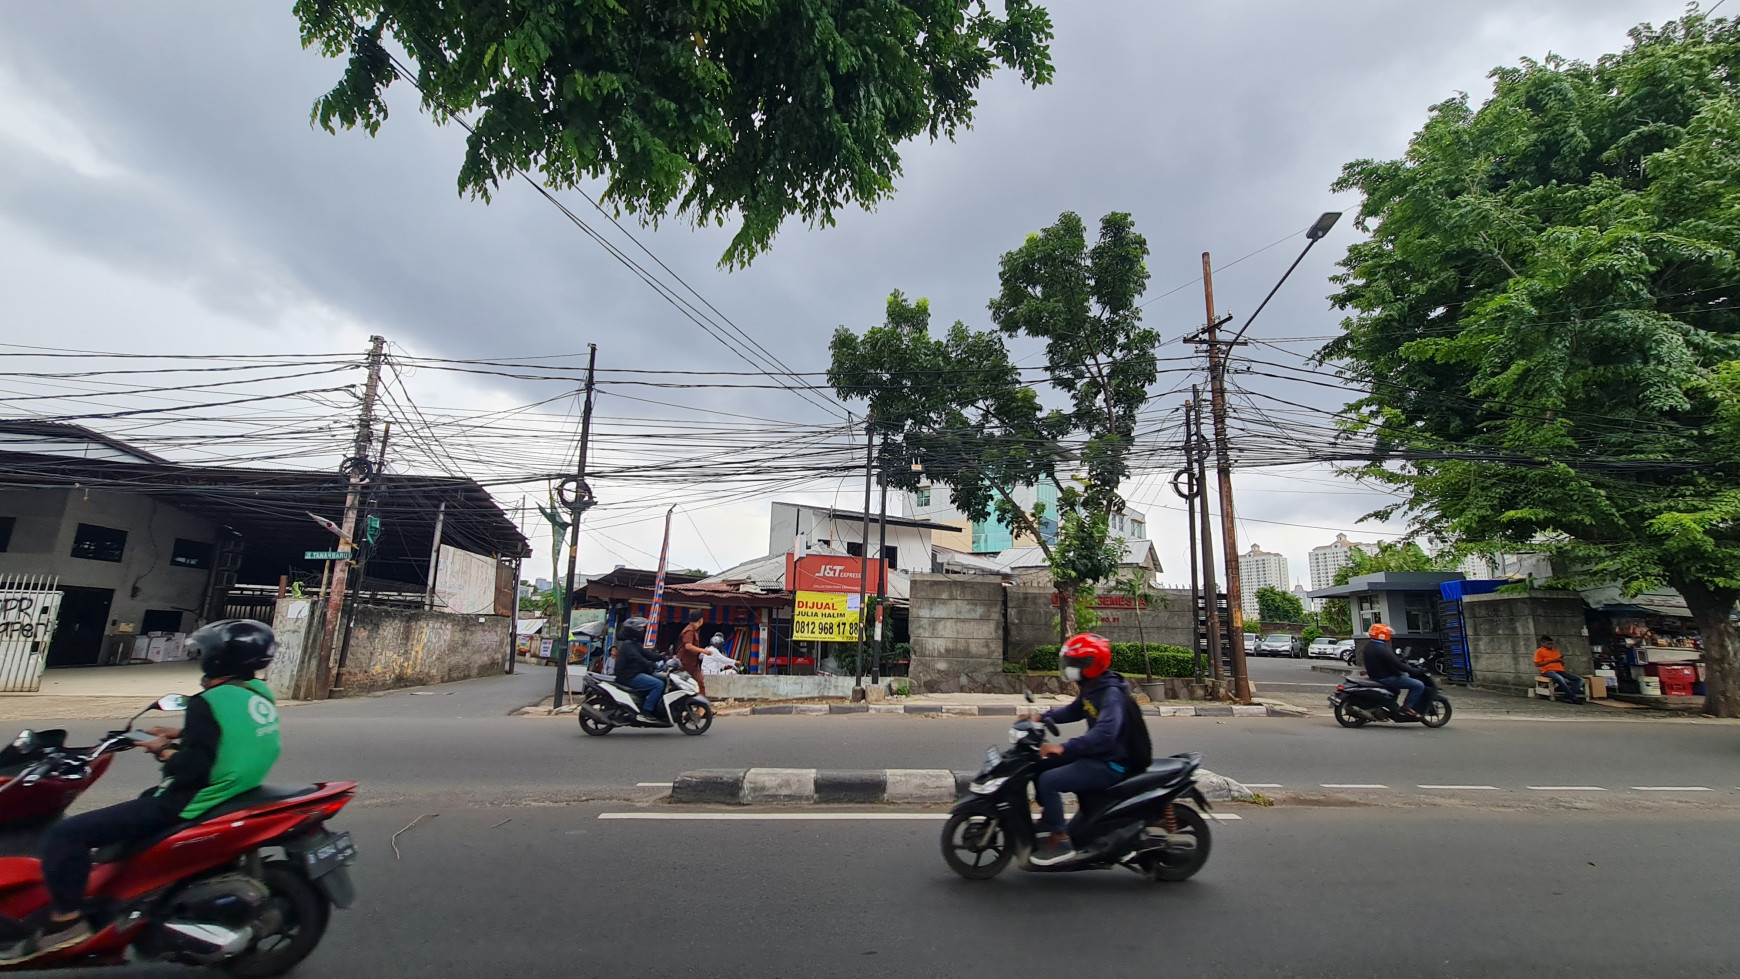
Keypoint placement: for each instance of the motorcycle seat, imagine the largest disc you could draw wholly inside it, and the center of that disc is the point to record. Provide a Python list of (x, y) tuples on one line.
[(1163, 772), (247, 800)]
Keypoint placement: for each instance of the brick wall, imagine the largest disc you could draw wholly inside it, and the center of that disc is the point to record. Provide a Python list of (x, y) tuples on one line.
[(1503, 631)]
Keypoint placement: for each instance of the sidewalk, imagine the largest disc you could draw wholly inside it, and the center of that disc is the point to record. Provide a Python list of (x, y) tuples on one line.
[(100, 692), (1486, 704)]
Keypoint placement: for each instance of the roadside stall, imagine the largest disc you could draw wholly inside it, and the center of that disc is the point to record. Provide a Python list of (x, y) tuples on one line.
[(1646, 645)]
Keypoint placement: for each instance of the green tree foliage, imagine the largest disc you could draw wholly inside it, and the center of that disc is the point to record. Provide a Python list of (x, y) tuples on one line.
[(711, 109), (1550, 295), (959, 414), (1275, 605)]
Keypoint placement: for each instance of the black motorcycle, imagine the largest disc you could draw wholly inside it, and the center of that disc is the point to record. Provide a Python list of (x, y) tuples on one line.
[(1358, 701), (1140, 823)]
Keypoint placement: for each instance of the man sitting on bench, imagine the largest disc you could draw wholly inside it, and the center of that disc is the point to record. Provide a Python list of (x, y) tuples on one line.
[(1552, 666)]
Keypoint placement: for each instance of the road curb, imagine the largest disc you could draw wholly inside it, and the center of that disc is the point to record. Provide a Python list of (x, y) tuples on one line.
[(894, 786), (1014, 710)]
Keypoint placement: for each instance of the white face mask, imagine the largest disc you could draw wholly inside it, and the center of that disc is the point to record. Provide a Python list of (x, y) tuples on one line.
[(1072, 674)]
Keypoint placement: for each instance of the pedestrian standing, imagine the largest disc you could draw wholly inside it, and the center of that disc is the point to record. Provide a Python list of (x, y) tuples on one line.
[(690, 650)]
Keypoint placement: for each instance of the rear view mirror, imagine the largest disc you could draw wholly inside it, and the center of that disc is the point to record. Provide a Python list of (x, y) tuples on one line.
[(24, 740), (172, 702)]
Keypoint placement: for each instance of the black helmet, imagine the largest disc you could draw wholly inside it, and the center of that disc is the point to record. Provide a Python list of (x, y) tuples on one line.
[(632, 630), (233, 647)]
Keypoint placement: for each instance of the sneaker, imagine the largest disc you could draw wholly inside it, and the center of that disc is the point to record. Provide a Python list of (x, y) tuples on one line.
[(1056, 849), (50, 937), (644, 719)]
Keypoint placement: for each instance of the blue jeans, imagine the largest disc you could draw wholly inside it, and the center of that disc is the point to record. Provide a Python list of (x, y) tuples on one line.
[(1570, 683), (1415, 688), (1083, 775), (653, 688), (66, 848)]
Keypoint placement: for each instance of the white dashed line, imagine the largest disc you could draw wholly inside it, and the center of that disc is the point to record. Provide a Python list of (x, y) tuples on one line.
[(776, 816), (1350, 785), (1564, 788), (1484, 788), (1225, 817), (649, 785), (1263, 785), (1670, 788)]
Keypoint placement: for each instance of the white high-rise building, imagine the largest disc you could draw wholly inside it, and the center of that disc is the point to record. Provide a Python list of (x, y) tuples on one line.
[(1330, 558), (1260, 569)]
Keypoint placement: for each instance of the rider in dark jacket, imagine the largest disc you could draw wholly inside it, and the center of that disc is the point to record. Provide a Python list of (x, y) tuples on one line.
[(1099, 758), (1383, 665), (635, 668)]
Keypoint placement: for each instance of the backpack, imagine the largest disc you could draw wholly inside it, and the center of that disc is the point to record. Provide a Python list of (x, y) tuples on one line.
[(1138, 750)]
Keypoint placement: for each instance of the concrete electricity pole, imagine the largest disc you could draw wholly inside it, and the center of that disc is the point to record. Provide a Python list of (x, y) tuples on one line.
[(864, 557), (1211, 590), (578, 500), (357, 467)]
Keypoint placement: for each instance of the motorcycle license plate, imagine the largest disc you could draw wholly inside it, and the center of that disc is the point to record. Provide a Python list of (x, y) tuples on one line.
[(329, 855)]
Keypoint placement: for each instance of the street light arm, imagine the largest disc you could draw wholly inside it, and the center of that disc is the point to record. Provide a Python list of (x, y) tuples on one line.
[(1240, 334)]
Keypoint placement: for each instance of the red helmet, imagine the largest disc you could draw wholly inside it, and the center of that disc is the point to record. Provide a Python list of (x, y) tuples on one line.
[(1090, 654), (1381, 632)]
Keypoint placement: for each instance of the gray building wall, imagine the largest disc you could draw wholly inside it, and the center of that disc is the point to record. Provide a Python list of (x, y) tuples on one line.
[(389, 648), (956, 628), (145, 578), (1503, 631)]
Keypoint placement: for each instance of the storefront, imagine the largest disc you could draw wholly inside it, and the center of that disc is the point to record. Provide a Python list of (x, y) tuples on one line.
[(1646, 645)]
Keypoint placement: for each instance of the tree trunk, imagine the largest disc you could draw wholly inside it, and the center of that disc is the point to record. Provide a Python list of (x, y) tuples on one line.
[(1142, 638), (1065, 613), (1712, 609)]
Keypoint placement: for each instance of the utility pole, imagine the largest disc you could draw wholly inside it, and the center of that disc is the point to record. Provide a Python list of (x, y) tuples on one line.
[(435, 560), (1188, 491), (365, 550), (578, 500), (882, 556), (357, 468), (1211, 591), (864, 557), (1217, 359)]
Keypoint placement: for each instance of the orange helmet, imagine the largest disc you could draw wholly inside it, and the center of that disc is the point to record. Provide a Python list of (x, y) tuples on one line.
[(1090, 654), (1381, 632)]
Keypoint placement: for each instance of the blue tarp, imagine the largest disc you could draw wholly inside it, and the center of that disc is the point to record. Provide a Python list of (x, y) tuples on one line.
[(1453, 591)]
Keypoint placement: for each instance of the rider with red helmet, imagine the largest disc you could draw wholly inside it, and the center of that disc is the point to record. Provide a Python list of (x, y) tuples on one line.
[(1099, 758), (1383, 665)]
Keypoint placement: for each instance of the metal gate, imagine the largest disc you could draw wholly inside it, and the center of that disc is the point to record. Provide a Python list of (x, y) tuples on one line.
[(29, 608)]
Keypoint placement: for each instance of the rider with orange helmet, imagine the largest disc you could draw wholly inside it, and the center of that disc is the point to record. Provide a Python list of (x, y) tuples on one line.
[(1099, 758), (1383, 665)]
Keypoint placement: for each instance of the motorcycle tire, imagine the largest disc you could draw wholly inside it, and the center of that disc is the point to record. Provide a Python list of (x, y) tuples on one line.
[(1346, 719), (971, 861), (302, 911), (1437, 713), (593, 727), (694, 719), (1167, 867)]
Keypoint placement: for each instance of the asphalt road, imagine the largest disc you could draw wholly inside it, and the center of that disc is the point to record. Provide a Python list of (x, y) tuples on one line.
[(516, 874)]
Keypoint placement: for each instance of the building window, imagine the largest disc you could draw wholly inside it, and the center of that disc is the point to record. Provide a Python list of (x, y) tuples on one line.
[(854, 548), (6, 524), (1369, 611), (161, 620), (191, 554), (892, 556), (94, 543), (1421, 613), (921, 496)]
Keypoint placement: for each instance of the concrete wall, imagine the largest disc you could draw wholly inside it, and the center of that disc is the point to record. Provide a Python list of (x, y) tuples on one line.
[(393, 648), (956, 630), (744, 687), (1503, 631), (297, 624), (144, 578), (1033, 620)]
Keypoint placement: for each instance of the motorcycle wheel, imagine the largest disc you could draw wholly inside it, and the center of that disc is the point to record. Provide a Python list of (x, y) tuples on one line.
[(972, 849), (1437, 713), (1345, 719), (301, 913), (597, 729), (694, 719), (1160, 865)]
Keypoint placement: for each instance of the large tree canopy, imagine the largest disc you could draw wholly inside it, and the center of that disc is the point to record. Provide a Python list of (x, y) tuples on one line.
[(712, 109), (1549, 291)]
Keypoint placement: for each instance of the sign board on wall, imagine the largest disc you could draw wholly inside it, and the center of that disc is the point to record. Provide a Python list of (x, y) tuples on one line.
[(465, 582), (831, 573), (824, 617)]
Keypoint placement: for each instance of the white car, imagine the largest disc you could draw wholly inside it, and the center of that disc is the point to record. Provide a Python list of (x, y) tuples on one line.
[(1344, 651), (1324, 648)]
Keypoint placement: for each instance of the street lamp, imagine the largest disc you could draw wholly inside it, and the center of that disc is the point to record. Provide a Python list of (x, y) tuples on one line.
[(1318, 229)]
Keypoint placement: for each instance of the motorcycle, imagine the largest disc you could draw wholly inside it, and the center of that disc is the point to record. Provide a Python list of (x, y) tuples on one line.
[(1141, 823), (1358, 702), (248, 887), (26, 806), (606, 705)]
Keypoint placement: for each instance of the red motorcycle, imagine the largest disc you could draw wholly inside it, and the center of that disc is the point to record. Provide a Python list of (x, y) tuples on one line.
[(248, 887), (33, 804)]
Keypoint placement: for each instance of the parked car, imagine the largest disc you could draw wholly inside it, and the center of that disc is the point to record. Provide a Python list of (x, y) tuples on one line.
[(1324, 647), (1280, 644), (1344, 651), (1251, 640)]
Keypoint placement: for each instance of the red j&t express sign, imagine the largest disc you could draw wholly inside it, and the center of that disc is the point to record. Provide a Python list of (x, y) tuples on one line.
[(831, 573)]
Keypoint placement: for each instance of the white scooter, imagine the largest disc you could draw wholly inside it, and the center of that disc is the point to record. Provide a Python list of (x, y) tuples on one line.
[(606, 705)]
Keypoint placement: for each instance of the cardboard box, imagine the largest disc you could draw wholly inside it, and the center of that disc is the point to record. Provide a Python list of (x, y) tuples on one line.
[(1595, 687), (154, 650), (141, 645)]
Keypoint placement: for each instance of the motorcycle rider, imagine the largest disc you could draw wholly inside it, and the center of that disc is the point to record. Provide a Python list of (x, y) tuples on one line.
[(1102, 756), (635, 668), (229, 743), (1391, 671)]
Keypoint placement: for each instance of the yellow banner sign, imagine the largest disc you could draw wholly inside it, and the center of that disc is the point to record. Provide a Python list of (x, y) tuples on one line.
[(824, 617)]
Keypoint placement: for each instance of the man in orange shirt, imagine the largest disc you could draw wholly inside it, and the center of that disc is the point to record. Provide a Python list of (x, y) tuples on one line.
[(1552, 666), (689, 649)]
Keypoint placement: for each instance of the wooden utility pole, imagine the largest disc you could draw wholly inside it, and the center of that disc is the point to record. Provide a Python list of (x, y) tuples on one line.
[(882, 570), (1217, 358), (578, 502), (358, 468), (864, 557), (1205, 535)]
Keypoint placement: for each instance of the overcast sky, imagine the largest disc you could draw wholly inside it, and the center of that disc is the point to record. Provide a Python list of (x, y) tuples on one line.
[(162, 190)]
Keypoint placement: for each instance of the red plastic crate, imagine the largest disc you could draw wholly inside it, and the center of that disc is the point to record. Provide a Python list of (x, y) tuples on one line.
[(1675, 673), (1676, 688)]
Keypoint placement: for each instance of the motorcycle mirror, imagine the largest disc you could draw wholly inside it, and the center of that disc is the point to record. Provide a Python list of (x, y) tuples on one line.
[(22, 742), (1028, 694), (173, 702), (1052, 727)]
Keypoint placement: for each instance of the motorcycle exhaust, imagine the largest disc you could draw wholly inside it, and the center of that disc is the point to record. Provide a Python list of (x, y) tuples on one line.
[(596, 714), (209, 939)]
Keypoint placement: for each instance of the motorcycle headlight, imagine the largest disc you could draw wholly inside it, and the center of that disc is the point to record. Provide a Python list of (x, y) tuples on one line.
[(989, 788), (1016, 734)]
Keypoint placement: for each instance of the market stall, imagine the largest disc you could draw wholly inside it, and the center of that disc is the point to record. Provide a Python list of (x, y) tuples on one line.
[(1647, 645)]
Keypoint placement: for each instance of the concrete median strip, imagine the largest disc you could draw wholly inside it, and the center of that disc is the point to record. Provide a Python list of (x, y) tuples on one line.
[(1012, 710), (894, 786)]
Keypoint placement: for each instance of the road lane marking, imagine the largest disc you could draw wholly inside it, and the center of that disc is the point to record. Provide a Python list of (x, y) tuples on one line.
[(1225, 817), (648, 785), (1489, 788), (1350, 785), (776, 816), (1564, 788), (1262, 785), (1670, 788)]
